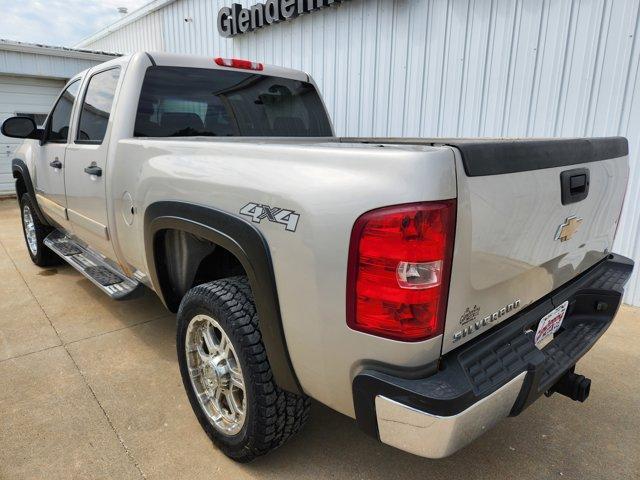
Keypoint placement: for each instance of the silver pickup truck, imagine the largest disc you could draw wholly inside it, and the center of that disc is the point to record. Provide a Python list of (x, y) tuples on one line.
[(427, 288)]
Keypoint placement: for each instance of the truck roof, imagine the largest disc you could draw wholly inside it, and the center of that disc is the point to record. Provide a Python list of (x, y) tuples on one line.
[(201, 61)]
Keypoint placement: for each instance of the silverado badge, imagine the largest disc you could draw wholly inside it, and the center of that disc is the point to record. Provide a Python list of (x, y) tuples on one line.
[(471, 325), (568, 228)]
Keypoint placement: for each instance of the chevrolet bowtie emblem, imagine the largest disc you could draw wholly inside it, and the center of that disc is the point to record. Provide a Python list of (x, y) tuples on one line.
[(568, 228)]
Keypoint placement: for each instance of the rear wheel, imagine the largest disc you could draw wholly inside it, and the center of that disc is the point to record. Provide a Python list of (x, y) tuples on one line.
[(227, 375), (34, 234)]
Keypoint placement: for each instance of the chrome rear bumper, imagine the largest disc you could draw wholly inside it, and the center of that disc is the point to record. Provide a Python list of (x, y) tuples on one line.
[(434, 436)]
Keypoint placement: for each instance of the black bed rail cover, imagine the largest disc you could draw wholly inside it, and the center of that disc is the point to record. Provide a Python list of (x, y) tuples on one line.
[(495, 156)]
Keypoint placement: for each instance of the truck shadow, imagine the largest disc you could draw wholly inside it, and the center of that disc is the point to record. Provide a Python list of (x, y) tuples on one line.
[(537, 444), (332, 446), (550, 439)]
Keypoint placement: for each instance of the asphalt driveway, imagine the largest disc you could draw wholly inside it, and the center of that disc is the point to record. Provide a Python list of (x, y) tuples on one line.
[(90, 388)]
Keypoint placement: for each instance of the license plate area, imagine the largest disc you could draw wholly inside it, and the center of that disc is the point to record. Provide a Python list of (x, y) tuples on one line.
[(549, 325)]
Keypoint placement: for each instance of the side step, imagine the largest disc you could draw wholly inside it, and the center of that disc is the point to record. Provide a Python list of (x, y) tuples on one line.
[(92, 265)]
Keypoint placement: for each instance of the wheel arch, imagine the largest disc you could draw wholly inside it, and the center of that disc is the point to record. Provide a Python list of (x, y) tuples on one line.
[(247, 245), (24, 184)]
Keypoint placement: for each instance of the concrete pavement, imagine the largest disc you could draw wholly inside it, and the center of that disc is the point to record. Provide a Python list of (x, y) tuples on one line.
[(90, 388)]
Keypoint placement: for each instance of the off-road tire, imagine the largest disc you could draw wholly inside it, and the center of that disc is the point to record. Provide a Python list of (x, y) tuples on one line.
[(44, 256), (273, 415)]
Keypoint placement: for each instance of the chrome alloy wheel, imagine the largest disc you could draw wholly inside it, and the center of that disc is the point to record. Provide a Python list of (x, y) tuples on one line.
[(216, 375), (29, 230)]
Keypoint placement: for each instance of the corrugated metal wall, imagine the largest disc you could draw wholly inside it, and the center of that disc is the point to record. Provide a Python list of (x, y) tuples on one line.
[(446, 68), (21, 95), (42, 65)]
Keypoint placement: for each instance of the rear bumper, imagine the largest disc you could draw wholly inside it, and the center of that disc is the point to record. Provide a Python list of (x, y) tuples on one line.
[(492, 377)]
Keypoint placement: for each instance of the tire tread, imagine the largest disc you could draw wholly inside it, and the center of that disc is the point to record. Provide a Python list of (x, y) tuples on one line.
[(45, 257), (281, 414)]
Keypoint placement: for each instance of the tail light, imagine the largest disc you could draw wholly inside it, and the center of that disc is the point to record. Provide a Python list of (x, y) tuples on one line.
[(238, 63), (399, 266)]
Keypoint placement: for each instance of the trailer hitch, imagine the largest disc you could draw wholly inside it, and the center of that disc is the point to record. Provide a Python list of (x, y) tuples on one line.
[(576, 387)]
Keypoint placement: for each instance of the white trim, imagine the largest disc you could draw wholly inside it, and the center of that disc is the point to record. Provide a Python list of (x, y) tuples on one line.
[(11, 46), (143, 11)]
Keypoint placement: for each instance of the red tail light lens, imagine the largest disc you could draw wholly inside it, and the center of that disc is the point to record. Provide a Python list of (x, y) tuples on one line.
[(238, 63), (399, 266)]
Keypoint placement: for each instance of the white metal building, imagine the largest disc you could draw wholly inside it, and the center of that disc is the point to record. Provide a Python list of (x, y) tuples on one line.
[(439, 67), (31, 77)]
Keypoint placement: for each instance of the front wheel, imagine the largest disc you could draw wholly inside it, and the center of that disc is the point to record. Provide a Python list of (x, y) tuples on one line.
[(227, 375), (34, 234)]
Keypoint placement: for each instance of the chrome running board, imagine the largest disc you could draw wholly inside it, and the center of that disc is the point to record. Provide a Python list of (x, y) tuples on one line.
[(108, 278)]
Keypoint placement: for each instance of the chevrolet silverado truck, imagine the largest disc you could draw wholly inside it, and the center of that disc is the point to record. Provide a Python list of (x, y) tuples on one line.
[(427, 288)]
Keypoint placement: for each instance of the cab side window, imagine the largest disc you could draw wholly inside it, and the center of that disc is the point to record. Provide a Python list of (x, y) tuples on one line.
[(58, 128), (96, 107)]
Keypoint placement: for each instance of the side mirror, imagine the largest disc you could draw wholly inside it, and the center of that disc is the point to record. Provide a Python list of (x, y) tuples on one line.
[(21, 127)]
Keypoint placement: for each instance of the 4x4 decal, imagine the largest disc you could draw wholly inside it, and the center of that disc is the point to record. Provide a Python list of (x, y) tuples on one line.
[(258, 212)]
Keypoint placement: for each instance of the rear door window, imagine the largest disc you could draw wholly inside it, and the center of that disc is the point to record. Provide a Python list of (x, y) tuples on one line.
[(58, 127), (97, 105), (179, 101)]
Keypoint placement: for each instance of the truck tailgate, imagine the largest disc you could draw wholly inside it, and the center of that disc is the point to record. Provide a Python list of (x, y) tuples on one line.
[(532, 215)]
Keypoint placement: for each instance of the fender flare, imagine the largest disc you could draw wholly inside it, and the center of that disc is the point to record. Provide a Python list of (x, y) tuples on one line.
[(249, 246), (19, 170)]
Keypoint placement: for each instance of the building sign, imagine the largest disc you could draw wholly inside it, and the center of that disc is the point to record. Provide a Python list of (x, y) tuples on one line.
[(236, 20)]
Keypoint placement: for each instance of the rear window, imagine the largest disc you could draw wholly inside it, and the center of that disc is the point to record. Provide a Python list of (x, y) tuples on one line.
[(183, 102)]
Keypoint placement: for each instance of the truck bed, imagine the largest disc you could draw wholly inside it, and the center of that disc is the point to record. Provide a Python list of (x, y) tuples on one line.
[(510, 200), (481, 155)]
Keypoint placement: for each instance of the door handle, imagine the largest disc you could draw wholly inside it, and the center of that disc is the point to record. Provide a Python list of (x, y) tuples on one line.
[(93, 170), (574, 185), (56, 164)]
